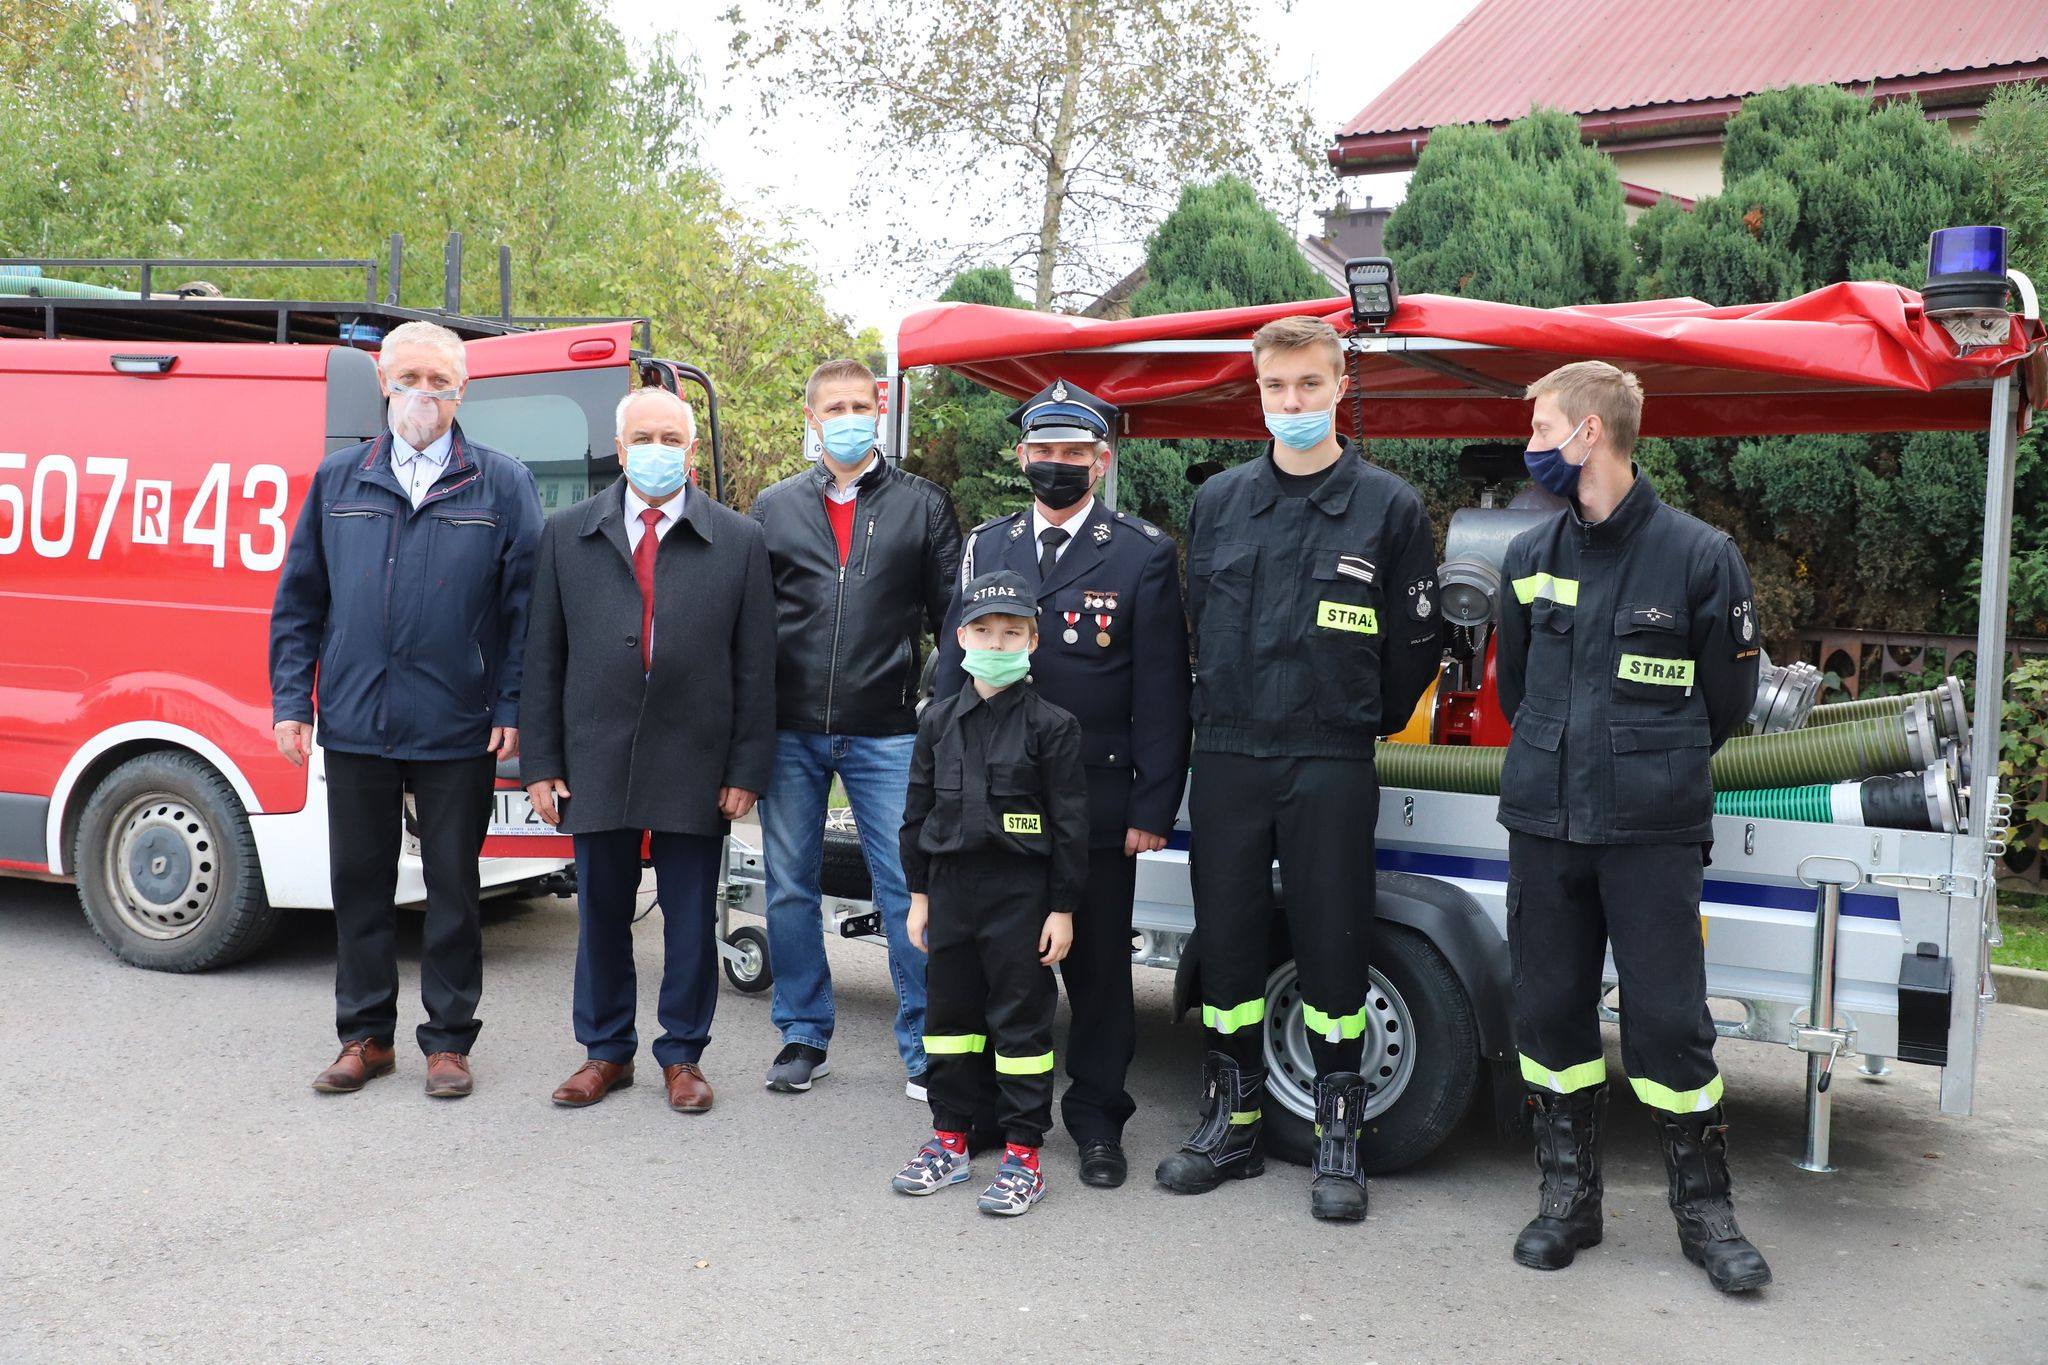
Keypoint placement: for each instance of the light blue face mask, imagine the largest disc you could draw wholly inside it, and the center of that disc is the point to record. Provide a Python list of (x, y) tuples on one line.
[(1300, 430), (847, 439), (996, 667), (656, 470)]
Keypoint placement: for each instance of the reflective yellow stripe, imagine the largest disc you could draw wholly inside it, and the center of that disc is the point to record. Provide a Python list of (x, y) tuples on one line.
[(953, 1044), (1565, 1081), (1677, 1101), (1244, 1116), (1020, 824), (1234, 1018), (1345, 616), (1024, 1066), (1663, 672), (1335, 1028), (1562, 590)]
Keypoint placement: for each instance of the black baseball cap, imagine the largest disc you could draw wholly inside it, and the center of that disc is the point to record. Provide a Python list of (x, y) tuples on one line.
[(1000, 591)]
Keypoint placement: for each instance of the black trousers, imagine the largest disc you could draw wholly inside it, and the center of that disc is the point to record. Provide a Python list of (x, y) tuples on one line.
[(1103, 1035), (365, 823), (985, 992), (1566, 902), (607, 988), (1318, 816)]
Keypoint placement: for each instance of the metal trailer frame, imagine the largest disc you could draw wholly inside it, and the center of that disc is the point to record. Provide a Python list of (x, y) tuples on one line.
[(1807, 925)]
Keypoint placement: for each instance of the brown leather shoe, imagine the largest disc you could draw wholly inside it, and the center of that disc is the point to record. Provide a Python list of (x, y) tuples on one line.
[(688, 1091), (448, 1076), (591, 1082), (362, 1060)]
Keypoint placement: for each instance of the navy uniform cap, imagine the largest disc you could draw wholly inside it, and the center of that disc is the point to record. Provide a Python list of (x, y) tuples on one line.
[(997, 591), (1065, 412)]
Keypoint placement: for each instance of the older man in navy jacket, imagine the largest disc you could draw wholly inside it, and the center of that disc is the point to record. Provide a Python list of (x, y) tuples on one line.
[(405, 594)]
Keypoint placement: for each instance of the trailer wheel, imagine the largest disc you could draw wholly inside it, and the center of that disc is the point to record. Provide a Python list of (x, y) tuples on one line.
[(844, 872), (751, 973), (1421, 1062), (167, 869)]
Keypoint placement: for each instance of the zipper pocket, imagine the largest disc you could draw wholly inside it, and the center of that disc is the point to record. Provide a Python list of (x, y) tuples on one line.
[(450, 519), (339, 512), (867, 545)]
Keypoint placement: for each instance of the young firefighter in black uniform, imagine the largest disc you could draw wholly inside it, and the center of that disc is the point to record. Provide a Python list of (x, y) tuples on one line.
[(1627, 654), (1116, 657), (995, 849), (1312, 583)]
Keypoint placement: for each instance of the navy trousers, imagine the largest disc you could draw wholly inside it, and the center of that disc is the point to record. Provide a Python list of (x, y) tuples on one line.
[(607, 998)]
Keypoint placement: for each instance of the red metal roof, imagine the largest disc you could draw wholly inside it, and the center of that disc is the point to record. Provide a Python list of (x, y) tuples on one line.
[(1850, 357), (1591, 57)]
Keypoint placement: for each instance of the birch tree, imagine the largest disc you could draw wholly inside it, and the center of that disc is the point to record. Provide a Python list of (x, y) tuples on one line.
[(1058, 131)]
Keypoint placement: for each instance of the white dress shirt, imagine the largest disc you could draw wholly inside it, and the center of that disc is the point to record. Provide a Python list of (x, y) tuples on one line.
[(418, 469), (1072, 526), (670, 511), (852, 488)]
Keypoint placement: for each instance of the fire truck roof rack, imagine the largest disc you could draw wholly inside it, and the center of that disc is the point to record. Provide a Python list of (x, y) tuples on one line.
[(32, 305)]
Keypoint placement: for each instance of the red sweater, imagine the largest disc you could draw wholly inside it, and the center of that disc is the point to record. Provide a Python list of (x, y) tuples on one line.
[(840, 514)]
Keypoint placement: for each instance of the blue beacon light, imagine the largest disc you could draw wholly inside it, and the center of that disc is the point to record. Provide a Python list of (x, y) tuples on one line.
[(1966, 285)]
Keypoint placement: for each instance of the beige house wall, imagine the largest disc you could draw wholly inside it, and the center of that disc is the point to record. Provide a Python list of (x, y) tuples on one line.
[(1694, 172), (1686, 171)]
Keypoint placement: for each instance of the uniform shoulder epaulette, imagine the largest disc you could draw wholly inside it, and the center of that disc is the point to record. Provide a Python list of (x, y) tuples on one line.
[(991, 522), (1138, 524)]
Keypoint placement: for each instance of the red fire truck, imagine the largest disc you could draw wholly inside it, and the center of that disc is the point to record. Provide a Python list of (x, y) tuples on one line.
[(154, 450)]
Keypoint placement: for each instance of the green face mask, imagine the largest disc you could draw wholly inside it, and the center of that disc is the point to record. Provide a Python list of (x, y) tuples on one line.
[(997, 667)]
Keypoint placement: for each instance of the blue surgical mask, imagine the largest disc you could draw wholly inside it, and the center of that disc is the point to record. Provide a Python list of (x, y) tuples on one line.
[(1551, 470), (847, 439), (1300, 430), (655, 470), (996, 667)]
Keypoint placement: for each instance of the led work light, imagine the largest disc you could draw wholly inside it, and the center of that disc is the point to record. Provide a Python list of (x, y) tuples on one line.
[(1374, 295)]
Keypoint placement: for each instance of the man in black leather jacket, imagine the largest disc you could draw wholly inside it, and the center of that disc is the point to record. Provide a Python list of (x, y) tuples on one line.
[(864, 558)]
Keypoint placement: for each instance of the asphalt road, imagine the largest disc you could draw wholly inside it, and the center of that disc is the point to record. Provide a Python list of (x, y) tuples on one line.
[(171, 1189)]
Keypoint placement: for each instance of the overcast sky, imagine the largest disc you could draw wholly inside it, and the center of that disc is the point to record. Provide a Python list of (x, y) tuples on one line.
[(1348, 50)]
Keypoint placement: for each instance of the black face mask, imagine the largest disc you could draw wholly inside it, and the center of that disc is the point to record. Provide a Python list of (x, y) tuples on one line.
[(1057, 485)]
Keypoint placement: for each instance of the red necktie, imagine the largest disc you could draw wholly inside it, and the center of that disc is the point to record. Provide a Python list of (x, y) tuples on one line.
[(643, 570)]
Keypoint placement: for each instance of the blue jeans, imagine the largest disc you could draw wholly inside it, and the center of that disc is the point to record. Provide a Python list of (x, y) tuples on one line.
[(876, 774)]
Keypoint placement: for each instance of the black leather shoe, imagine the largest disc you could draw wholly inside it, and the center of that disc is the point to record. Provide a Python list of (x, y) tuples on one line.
[(1103, 1165)]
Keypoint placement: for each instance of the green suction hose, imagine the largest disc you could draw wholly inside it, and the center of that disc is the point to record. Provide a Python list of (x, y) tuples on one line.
[(1790, 758), (1778, 803), (1951, 713), (1836, 712), (1470, 768), (1829, 753)]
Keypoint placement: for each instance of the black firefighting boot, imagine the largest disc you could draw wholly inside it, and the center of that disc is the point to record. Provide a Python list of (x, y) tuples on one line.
[(1567, 1217), (1338, 1194), (1696, 1159), (1225, 1144)]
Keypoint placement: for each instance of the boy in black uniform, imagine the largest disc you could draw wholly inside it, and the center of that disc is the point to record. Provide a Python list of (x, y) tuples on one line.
[(995, 831), (1627, 654), (1312, 588)]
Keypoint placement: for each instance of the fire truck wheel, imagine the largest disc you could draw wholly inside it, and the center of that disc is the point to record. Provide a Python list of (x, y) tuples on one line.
[(1421, 1063), (167, 868)]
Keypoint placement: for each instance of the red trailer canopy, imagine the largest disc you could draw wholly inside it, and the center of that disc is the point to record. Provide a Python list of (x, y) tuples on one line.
[(1851, 357)]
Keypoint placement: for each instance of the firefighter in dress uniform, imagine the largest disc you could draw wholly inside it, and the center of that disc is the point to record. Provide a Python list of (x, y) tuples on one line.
[(1627, 654), (1113, 651), (1312, 583)]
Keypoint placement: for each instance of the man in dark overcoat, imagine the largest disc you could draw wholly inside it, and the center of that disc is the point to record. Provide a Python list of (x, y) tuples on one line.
[(649, 715)]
